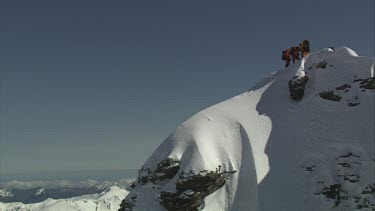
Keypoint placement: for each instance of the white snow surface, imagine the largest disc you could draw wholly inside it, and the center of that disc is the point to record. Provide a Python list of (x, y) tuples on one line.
[(107, 201), (271, 141)]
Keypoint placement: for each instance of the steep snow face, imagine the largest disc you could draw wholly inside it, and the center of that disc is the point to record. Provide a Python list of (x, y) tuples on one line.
[(273, 152), (107, 201)]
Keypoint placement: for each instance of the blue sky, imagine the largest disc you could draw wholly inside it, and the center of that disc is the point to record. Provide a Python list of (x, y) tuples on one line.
[(90, 85)]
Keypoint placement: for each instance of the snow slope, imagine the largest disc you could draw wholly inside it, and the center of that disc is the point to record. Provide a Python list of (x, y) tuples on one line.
[(107, 201), (288, 155)]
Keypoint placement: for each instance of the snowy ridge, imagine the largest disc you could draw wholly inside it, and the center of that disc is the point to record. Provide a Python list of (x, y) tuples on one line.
[(286, 153)]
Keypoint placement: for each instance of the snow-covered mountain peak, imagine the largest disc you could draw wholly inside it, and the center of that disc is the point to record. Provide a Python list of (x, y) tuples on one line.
[(262, 150), (301, 139)]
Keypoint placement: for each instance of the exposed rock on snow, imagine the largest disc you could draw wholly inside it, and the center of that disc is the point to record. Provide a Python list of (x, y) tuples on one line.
[(192, 190), (329, 95), (322, 65), (343, 87), (297, 87), (334, 192), (368, 83)]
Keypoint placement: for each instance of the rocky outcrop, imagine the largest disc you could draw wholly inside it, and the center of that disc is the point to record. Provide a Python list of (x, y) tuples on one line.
[(329, 95), (297, 87), (165, 170), (348, 167), (368, 83), (343, 87), (126, 205), (348, 174), (192, 189), (334, 192), (321, 65)]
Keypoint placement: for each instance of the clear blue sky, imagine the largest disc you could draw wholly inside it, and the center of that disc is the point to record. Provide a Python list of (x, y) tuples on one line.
[(100, 84)]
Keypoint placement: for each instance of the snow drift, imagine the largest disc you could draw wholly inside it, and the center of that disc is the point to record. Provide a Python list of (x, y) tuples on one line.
[(264, 151)]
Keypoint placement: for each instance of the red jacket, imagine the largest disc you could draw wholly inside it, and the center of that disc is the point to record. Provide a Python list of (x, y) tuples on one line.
[(287, 55), (295, 53)]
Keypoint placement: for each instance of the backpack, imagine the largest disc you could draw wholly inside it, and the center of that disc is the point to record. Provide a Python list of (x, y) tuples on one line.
[(283, 56)]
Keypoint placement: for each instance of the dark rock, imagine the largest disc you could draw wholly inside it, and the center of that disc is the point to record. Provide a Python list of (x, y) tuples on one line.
[(310, 168), (370, 189), (192, 190), (132, 185), (368, 83), (333, 192), (330, 96), (126, 206), (345, 86), (173, 201), (352, 178), (353, 104), (322, 65), (165, 170), (297, 87), (349, 154)]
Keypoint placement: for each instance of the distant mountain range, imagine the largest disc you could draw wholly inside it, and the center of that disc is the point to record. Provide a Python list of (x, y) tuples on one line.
[(33, 192)]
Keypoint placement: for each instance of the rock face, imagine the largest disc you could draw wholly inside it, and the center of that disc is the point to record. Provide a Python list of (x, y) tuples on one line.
[(126, 205), (329, 95), (192, 190), (322, 65), (166, 169), (348, 172), (191, 187), (343, 87), (368, 83), (297, 87)]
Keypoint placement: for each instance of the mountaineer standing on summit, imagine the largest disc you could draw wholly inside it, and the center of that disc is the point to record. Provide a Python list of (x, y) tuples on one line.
[(295, 53), (304, 47), (286, 57)]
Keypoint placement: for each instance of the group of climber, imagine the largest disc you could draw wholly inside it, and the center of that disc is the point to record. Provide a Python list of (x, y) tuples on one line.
[(293, 53)]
